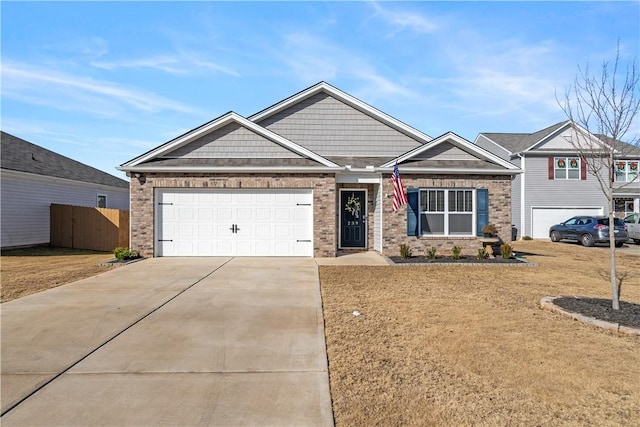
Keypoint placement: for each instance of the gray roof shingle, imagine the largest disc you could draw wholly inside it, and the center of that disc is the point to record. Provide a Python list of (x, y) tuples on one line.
[(517, 142), (23, 156)]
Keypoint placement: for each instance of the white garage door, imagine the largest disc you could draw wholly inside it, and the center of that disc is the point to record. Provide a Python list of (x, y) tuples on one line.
[(543, 218), (197, 222)]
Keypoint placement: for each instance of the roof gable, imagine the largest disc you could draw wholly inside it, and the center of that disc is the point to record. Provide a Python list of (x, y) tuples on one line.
[(334, 123), (23, 156), (229, 129), (232, 141), (449, 148), (519, 142)]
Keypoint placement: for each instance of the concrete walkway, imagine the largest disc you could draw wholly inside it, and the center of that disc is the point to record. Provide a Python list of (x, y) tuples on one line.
[(171, 341)]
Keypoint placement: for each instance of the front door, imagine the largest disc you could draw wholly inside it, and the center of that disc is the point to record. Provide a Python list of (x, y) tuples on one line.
[(353, 214)]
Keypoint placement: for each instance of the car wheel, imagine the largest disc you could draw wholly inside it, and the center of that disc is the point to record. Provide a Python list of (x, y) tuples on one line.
[(555, 236), (619, 244), (637, 241), (586, 240)]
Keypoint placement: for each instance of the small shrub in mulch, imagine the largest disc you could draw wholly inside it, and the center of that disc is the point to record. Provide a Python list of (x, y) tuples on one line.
[(628, 315)]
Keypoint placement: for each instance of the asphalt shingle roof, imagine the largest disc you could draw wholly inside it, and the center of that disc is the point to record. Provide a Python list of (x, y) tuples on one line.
[(517, 142), (20, 155)]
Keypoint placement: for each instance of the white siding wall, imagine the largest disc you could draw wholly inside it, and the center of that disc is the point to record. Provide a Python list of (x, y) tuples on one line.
[(516, 197), (26, 199), (377, 217)]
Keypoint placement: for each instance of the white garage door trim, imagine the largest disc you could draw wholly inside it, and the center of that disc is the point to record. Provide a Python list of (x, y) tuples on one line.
[(233, 222), (543, 217)]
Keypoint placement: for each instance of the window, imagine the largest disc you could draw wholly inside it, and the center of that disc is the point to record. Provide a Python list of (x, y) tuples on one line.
[(102, 201), (446, 212), (626, 170), (566, 168)]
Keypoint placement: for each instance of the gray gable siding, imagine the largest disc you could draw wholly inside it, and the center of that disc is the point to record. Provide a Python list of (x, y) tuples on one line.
[(232, 141), (445, 151), (330, 127)]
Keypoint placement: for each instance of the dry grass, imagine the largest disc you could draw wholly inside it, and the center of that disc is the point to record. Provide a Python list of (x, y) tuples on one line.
[(26, 271), (438, 345)]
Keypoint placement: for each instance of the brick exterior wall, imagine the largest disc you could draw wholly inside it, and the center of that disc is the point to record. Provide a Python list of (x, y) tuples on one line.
[(322, 185), (395, 224)]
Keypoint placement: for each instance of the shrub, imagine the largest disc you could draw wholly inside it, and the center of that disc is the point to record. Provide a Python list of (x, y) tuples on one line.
[(482, 253), (506, 250), (124, 253), (405, 251), (490, 229), (456, 252), (430, 252), (527, 238)]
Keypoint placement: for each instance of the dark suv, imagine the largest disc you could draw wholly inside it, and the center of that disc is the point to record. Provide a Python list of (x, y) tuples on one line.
[(588, 230)]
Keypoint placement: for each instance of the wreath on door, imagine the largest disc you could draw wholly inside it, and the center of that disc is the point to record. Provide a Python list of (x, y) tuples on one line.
[(353, 205)]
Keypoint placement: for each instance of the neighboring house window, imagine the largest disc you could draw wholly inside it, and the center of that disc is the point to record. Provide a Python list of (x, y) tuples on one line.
[(102, 201), (566, 168), (446, 212), (626, 170)]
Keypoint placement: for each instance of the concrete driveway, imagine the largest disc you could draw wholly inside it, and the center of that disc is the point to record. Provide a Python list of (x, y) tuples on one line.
[(171, 341)]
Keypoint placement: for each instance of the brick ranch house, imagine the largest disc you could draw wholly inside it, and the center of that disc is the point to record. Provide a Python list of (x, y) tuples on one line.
[(311, 176)]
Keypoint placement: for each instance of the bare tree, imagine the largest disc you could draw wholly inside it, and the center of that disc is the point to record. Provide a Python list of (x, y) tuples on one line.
[(602, 108)]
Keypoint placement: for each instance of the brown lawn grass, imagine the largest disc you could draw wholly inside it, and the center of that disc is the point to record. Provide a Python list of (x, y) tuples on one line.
[(26, 271), (455, 345)]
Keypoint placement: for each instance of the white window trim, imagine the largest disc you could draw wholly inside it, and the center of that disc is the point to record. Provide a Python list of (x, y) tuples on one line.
[(446, 212), (627, 171), (566, 168), (98, 199)]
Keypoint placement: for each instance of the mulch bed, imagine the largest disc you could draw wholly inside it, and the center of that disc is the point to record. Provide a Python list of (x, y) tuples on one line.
[(628, 315), (450, 260)]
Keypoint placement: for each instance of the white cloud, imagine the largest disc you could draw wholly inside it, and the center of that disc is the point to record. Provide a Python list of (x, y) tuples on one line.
[(402, 20), (65, 91), (182, 63), (313, 59)]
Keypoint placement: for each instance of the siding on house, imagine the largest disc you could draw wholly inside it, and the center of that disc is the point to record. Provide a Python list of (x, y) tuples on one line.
[(330, 127), (542, 191), (516, 198), (377, 217), (232, 141), (445, 152), (26, 199)]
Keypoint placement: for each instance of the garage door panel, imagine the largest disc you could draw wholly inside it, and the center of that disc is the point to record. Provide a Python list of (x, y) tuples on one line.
[(245, 214), (263, 230), (269, 222), (543, 218)]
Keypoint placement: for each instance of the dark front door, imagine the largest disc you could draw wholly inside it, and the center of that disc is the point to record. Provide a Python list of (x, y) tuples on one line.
[(353, 215)]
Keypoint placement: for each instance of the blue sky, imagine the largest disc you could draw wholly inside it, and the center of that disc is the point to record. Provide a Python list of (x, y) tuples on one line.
[(102, 82)]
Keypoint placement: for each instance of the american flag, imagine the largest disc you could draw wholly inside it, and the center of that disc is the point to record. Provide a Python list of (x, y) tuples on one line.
[(399, 196)]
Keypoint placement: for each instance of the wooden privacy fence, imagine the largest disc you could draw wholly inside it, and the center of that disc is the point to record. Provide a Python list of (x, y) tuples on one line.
[(97, 229)]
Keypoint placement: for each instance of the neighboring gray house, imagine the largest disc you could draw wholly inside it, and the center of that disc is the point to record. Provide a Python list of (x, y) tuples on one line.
[(555, 184), (311, 176), (33, 178)]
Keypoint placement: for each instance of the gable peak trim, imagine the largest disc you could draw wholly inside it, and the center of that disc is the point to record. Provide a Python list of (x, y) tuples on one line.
[(223, 120), (458, 141)]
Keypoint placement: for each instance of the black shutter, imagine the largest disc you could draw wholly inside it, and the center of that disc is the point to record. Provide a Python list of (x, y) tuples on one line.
[(412, 211), (482, 211)]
